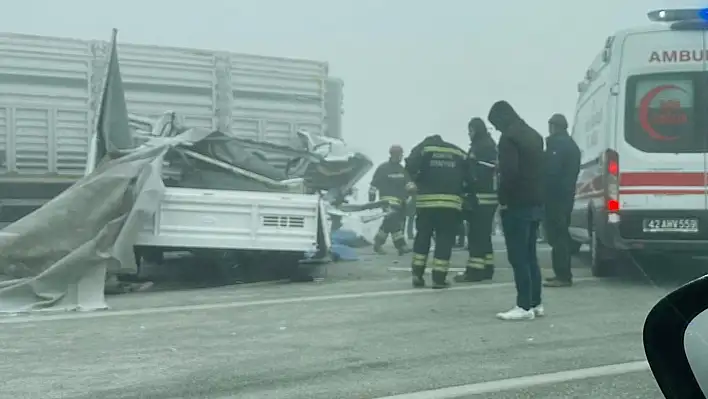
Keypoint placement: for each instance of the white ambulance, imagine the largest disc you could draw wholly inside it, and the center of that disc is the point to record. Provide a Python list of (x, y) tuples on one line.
[(641, 122)]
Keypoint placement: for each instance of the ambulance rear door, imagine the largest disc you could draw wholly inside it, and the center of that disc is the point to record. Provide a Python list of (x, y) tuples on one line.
[(661, 135)]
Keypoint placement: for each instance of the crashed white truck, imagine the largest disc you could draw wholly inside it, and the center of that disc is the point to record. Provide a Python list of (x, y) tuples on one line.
[(225, 203), (233, 193)]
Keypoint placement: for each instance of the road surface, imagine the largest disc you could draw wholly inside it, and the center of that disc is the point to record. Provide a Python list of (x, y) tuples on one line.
[(360, 333)]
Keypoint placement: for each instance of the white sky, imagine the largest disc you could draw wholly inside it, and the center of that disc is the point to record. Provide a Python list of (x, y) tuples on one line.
[(411, 68)]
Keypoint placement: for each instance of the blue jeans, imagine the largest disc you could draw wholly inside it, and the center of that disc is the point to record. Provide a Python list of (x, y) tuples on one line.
[(520, 226)]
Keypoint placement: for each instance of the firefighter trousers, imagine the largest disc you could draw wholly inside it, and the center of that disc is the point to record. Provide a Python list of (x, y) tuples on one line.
[(443, 223), (393, 225), (480, 263)]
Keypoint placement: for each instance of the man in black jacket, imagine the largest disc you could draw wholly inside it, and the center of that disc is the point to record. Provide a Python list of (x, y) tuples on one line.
[(440, 173), (520, 196), (562, 169), (479, 212)]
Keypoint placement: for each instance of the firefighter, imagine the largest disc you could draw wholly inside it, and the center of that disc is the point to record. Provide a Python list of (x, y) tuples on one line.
[(480, 213), (439, 172), (392, 183)]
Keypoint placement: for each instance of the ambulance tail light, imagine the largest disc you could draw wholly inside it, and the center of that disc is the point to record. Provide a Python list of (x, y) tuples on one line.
[(612, 173)]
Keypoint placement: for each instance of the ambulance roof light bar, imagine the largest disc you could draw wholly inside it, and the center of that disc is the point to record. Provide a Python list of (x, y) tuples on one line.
[(678, 15)]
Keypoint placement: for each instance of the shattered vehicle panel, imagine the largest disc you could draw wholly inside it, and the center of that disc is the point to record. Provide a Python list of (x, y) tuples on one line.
[(196, 173), (325, 164), (338, 171)]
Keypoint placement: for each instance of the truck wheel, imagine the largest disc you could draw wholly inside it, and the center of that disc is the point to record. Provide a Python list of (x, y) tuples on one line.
[(301, 275), (601, 262), (575, 247)]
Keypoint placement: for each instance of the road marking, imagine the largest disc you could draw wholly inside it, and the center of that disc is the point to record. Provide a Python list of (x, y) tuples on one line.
[(540, 248), (485, 388), (52, 316), (427, 271)]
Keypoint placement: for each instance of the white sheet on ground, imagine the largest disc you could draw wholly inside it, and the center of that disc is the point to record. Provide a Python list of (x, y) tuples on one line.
[(367, 230)]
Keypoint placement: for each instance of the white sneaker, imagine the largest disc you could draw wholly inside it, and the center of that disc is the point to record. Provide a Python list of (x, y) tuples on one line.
[(517, 313), (539, 311)]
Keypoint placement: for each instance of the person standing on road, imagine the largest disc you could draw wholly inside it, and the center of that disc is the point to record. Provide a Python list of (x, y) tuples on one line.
[(480, 214), (392, 182), (439, 171), (520, 196), (562, 169)]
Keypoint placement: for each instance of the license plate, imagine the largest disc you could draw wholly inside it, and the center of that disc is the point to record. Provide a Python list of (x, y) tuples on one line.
[(671, 225)]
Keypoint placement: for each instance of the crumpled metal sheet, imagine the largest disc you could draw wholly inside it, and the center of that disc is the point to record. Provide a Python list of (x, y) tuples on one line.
[(57, 257)]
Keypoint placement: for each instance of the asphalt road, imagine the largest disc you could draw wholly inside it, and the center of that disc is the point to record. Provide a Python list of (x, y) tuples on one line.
[(360, 333)]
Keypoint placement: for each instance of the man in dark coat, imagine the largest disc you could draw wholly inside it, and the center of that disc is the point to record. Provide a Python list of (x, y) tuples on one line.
[(562, 169), (520, 195)]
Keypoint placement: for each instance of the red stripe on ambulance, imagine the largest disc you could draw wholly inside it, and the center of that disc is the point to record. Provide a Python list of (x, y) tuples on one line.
[(662, 179)]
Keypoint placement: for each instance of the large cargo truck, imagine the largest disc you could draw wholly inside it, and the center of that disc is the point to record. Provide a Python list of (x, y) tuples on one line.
[(50, 87)]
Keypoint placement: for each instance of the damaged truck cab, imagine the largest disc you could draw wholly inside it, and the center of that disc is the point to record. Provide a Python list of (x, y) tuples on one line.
[(225, 204)]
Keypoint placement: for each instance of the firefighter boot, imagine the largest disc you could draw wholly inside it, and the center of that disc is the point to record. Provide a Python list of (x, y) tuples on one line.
[(440, 274), (379, 241), (440, 280), (489, 267), (418, 280), (474, 272), (470, 275), (399, 240), (488, 272), (418, 269)]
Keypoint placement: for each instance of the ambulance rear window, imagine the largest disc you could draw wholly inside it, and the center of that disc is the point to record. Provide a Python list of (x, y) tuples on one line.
[(661, 113)]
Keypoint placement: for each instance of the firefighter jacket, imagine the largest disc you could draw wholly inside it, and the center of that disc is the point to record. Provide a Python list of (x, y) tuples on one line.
[(470, 200), (440, 171), (483, 154), (392, 183)]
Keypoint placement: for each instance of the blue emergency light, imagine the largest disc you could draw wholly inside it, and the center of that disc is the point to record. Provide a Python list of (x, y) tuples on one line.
[(679, 15), (703, 14)]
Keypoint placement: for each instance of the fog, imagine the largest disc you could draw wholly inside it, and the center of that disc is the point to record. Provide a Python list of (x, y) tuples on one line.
[(411, 68)]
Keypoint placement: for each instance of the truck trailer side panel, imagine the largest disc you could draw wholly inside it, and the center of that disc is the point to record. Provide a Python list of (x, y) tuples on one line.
[(50, 88), (334, 103)]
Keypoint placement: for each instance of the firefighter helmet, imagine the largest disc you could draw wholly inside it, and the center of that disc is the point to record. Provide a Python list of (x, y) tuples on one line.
[(395, 149)]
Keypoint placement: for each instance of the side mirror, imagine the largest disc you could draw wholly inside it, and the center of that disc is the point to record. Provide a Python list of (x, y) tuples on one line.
[(676, 341)]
